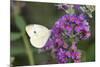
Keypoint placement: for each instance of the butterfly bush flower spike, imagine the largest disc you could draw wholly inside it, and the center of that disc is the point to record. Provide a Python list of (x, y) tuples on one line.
[(67, 31)]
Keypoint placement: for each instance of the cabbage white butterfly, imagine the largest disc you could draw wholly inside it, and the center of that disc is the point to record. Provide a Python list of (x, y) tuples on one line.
[(38, 34)]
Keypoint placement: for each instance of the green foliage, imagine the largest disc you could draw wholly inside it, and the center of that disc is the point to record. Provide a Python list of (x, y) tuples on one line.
[(15, 36), (90, 53), (20, 22), (21, 25)]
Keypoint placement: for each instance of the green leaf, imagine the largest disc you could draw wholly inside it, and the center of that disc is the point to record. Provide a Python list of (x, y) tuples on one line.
[(20, 22), (90, 54), (17, 50), (42, 58), (83, 58), (15, 36)]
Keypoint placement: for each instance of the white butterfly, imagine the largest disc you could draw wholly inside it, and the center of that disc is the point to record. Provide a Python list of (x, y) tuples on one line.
[(38, 35)]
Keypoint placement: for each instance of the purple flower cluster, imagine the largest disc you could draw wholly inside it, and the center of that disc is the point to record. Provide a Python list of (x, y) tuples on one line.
[(65, 7), (71, 54), (61, 56), (72, 26), (66, 32)]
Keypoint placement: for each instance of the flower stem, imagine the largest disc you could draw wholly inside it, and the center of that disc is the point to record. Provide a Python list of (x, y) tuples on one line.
[(28, 49)]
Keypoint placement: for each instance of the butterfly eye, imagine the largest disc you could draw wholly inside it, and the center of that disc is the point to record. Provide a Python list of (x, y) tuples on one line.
[(34, 32)]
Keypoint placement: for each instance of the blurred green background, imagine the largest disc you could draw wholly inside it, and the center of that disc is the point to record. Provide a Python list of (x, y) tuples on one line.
[(24, 13)]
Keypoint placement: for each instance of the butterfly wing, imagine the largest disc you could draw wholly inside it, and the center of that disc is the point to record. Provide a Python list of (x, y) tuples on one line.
[(39, 42), (38, 35)]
